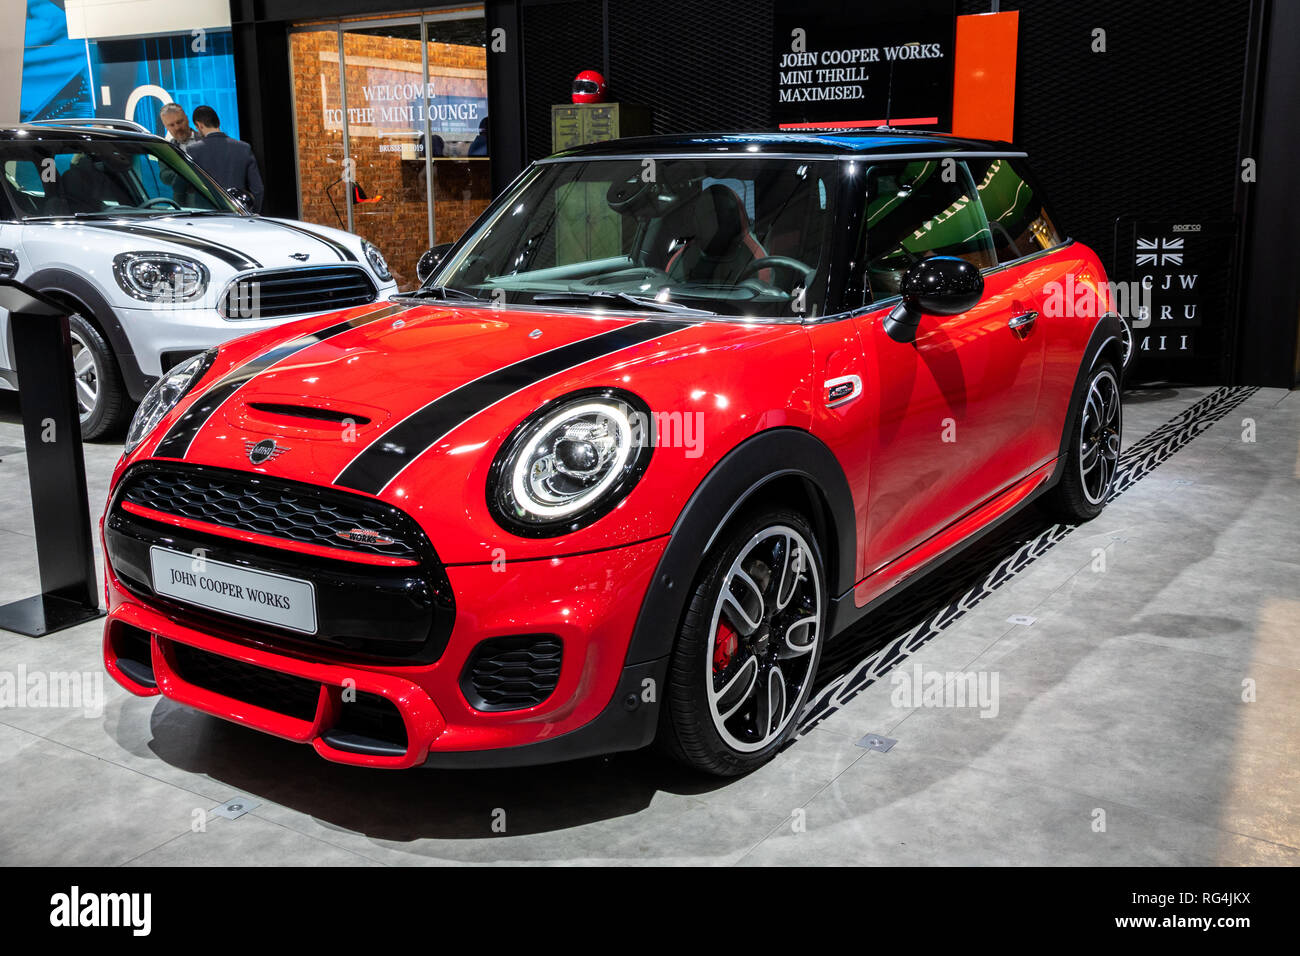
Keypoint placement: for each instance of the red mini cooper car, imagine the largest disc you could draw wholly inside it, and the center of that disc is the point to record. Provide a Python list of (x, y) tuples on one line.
[(673, 414)]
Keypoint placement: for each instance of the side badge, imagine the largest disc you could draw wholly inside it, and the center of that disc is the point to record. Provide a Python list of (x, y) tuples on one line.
[(837, 391)]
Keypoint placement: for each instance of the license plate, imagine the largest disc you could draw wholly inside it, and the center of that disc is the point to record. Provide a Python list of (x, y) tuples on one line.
[(253, 595)]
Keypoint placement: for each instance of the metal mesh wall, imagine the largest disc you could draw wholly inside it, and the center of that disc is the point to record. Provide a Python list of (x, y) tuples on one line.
[(559, 41), (1148, 128), (711, 72), (700, 66)]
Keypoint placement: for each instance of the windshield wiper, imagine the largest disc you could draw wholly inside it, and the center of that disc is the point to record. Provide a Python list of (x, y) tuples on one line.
[(186, 213), (72, 215), (444, 292), (640, 303)]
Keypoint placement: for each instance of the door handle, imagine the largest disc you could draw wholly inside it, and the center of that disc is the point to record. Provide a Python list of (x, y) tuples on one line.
[(1022, 323)]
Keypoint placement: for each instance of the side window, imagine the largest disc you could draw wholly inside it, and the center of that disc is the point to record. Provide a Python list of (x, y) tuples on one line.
[(25, 176), (23, 187), (1015, 211), (916, 210)]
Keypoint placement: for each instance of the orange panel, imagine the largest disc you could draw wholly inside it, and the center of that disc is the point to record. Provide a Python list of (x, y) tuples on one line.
[(984, 80)]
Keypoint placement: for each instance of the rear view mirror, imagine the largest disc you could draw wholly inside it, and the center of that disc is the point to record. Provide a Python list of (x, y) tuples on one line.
[(241, 196), (940, 285), (429, 261)]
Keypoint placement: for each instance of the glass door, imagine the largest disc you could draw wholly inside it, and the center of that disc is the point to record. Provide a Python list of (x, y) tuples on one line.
[(319, 129), (391, 126), (387, 101), (457, 58)]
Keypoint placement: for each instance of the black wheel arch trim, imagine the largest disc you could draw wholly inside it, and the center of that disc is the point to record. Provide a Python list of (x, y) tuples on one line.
[(1107, 333), (74, 286), (732, 483)]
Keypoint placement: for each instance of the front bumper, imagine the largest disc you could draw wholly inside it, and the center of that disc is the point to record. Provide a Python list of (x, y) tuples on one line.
[(393, 716)]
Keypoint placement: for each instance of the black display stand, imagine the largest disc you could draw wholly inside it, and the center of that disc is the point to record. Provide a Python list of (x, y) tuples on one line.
[(55, 467)]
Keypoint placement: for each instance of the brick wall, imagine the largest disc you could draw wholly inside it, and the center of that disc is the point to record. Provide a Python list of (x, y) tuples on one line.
[(386, 149)]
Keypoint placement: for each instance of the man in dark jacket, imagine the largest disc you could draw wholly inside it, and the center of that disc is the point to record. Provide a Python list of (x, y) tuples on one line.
[(229, 161)]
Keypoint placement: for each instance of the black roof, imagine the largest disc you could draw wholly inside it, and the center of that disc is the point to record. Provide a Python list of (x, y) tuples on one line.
[(848, 142), (34, 133)]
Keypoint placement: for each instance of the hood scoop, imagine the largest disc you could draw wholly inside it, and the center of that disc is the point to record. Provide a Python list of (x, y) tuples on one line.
[(281, 415), (310, 413)]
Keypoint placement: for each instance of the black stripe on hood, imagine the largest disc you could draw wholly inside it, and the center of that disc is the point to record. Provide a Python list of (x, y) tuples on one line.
[(176, 443), (232, 257), (381, 461), (340, 249)]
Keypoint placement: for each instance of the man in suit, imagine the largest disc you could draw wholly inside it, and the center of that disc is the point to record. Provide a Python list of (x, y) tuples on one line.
[(178, 125), (183, 135), (229, 161)]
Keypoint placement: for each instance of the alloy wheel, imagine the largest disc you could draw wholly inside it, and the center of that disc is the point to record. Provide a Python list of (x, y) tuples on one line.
[(764, 631), (85, 374), (1126, 341), (1099, 437)]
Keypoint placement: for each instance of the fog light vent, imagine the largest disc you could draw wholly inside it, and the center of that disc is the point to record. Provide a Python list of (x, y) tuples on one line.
[(512, 673)]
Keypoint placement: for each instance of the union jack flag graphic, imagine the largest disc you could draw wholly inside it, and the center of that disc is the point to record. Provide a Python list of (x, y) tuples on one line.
[(1160, 252)]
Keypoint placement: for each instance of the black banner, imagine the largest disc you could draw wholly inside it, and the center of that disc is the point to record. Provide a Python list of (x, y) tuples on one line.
[(324, 905), (856, 65), (1177, 278)]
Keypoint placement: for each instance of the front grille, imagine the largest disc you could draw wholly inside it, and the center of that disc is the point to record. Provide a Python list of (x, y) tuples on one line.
[(383, 611), (274, 508), (272, 295), (270, 690), (511, 673)]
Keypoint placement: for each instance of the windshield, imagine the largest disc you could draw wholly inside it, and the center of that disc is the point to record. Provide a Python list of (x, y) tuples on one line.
[(742, 237), (53, 180)]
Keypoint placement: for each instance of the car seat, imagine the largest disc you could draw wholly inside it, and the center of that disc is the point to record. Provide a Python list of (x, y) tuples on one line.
[(721, 245)]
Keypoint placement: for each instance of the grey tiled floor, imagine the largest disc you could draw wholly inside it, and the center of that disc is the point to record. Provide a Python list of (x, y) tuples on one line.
[(1122, 702)]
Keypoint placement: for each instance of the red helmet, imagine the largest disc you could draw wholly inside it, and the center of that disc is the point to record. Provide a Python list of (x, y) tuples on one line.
[(588, 87)]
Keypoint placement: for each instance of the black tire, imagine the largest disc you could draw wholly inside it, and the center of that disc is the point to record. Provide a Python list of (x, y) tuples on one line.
[(687, 730), (1081, 493), (95, 368)]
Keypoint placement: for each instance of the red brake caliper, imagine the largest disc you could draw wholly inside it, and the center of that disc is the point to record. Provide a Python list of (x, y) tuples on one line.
[(724, 647)]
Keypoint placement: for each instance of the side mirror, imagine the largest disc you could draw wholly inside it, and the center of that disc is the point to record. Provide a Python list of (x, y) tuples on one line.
[(241, 196), (429, 261), (941, 285)]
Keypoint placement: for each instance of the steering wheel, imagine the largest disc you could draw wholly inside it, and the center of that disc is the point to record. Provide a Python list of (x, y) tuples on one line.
[(802, 269), (150, 203)]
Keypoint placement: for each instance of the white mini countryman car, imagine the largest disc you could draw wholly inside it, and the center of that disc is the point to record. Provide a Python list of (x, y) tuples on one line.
[(155, 261)]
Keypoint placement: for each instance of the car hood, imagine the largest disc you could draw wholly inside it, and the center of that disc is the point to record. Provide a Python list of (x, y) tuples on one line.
[(411, 402), (224, 243)]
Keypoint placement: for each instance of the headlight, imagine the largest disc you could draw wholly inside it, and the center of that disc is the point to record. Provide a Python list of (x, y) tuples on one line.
[(376, 260), (160, 276), (570, 463), (164, 395)]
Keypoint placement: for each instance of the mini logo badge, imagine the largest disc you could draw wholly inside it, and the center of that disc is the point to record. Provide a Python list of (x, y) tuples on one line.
[(365, 536), (264, 450), (300, 256)]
